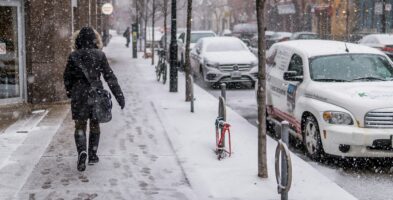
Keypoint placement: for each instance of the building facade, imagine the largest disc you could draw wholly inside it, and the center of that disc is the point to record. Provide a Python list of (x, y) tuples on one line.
[(35, 43)]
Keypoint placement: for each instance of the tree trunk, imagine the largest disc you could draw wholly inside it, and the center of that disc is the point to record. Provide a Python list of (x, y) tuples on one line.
[(152, 27), (165, 24), (140, 17), (261, 92), (145, 25), (188, 62)]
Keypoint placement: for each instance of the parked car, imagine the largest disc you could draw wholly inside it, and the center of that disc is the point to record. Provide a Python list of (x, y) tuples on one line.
[(304, 36), (195, 36), (277, 37), (383, 42), (157, 36), (337, 97), (254, 41), (223, 59)]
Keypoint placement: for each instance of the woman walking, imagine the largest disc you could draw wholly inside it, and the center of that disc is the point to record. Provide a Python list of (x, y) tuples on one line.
[(84, 68)]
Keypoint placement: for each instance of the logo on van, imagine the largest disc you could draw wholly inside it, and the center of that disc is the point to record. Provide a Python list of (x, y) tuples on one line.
[(236, 67), (362, 94)]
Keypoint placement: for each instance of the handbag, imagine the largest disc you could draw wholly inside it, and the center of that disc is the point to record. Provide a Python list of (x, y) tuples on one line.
[(99, 101)]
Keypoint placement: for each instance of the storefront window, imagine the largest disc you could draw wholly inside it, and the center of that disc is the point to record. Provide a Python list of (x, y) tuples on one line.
[(9, 56)]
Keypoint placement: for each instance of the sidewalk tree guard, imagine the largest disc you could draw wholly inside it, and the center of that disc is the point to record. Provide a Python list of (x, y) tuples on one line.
[(173, 51), (261, 91), (188, 62)]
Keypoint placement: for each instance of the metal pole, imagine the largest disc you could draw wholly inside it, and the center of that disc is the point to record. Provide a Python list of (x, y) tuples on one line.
[(223, 90), (347, 21), (284, 164), (192, 93), (152, 24), (173, 51), (383, 20)]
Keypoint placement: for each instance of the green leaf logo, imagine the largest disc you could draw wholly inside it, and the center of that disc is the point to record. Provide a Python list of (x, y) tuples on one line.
[(362, 94)]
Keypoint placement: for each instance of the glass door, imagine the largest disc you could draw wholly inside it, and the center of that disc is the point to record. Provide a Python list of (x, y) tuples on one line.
[(10, 53)]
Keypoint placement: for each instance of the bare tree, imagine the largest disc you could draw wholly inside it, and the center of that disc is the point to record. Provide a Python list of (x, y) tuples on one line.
[(153, 39), (145, 20), (261, 92), (188, 63)]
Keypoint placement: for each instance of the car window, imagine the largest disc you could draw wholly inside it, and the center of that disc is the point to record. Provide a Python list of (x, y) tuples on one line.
[(296, 64), (350, 67), (308, 36), (196, 36)]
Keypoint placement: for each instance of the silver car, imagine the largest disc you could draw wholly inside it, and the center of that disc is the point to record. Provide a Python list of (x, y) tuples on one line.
[(224, 59)]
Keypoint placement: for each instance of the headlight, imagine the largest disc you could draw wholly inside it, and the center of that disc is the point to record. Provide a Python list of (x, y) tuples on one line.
[(340, 118), (212, 64), (254, 64)]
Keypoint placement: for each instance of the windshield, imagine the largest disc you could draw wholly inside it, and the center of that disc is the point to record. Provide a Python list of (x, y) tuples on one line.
[(196, 36), (351, 67), (220, 46)]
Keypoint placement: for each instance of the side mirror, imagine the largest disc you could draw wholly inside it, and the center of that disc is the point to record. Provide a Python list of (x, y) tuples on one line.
[(198, 50), (292, 76)]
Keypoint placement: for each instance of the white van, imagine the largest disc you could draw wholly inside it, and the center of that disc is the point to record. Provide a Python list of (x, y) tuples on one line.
[(338, 97)]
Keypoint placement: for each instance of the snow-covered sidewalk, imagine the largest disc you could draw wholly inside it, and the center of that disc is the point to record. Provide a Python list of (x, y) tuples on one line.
[(193, 138)]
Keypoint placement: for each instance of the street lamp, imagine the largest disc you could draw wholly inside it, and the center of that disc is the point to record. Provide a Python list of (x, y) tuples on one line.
[(173, 51)]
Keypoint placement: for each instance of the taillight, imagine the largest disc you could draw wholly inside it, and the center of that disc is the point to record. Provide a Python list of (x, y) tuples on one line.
[(387, 48)]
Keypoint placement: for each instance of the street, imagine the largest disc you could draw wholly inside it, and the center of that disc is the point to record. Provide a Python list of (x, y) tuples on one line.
[(353, 176)]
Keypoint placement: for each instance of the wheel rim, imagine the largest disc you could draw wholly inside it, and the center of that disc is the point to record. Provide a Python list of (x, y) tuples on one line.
[(311, 136)]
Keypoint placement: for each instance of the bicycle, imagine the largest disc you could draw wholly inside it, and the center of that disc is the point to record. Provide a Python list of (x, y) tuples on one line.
[(161, 68), (222, 128)]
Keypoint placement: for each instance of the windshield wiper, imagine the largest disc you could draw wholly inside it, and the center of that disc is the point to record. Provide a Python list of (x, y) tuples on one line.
[(369, 78), (330, 80)]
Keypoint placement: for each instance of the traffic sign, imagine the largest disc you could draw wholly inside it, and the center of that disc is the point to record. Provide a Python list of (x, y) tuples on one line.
[(107, 9)]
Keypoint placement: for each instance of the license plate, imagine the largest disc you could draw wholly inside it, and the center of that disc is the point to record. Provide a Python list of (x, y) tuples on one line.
[(236, 75)]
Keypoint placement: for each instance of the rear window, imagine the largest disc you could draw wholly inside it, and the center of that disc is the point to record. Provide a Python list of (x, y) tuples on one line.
[(196, 36), (308, 36)]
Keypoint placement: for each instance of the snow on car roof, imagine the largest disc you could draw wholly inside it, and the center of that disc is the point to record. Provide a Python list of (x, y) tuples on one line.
[(223, 39), (202, 32), (384, 38), (326, 47)]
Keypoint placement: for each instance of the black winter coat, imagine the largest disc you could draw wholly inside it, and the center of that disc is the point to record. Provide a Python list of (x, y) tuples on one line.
[(77, 85)]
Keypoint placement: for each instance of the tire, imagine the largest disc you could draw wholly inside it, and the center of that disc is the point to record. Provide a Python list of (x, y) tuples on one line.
[(164, 73), (312, 138), (158, 72), (270, 126)]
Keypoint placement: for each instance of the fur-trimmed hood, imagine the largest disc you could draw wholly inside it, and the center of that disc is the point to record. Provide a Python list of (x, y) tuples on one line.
[(76, 34)]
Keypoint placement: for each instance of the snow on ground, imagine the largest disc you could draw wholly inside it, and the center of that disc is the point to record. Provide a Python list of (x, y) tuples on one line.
[(22, 145), (193, 137), (136, 159), (155, 149)]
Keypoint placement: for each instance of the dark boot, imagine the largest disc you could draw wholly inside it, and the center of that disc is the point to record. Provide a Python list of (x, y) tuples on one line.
[(94, 140), (80, 141)]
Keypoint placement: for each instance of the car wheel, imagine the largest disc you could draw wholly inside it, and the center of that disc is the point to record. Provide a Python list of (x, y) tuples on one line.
[(270, 126), (312, 138)]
